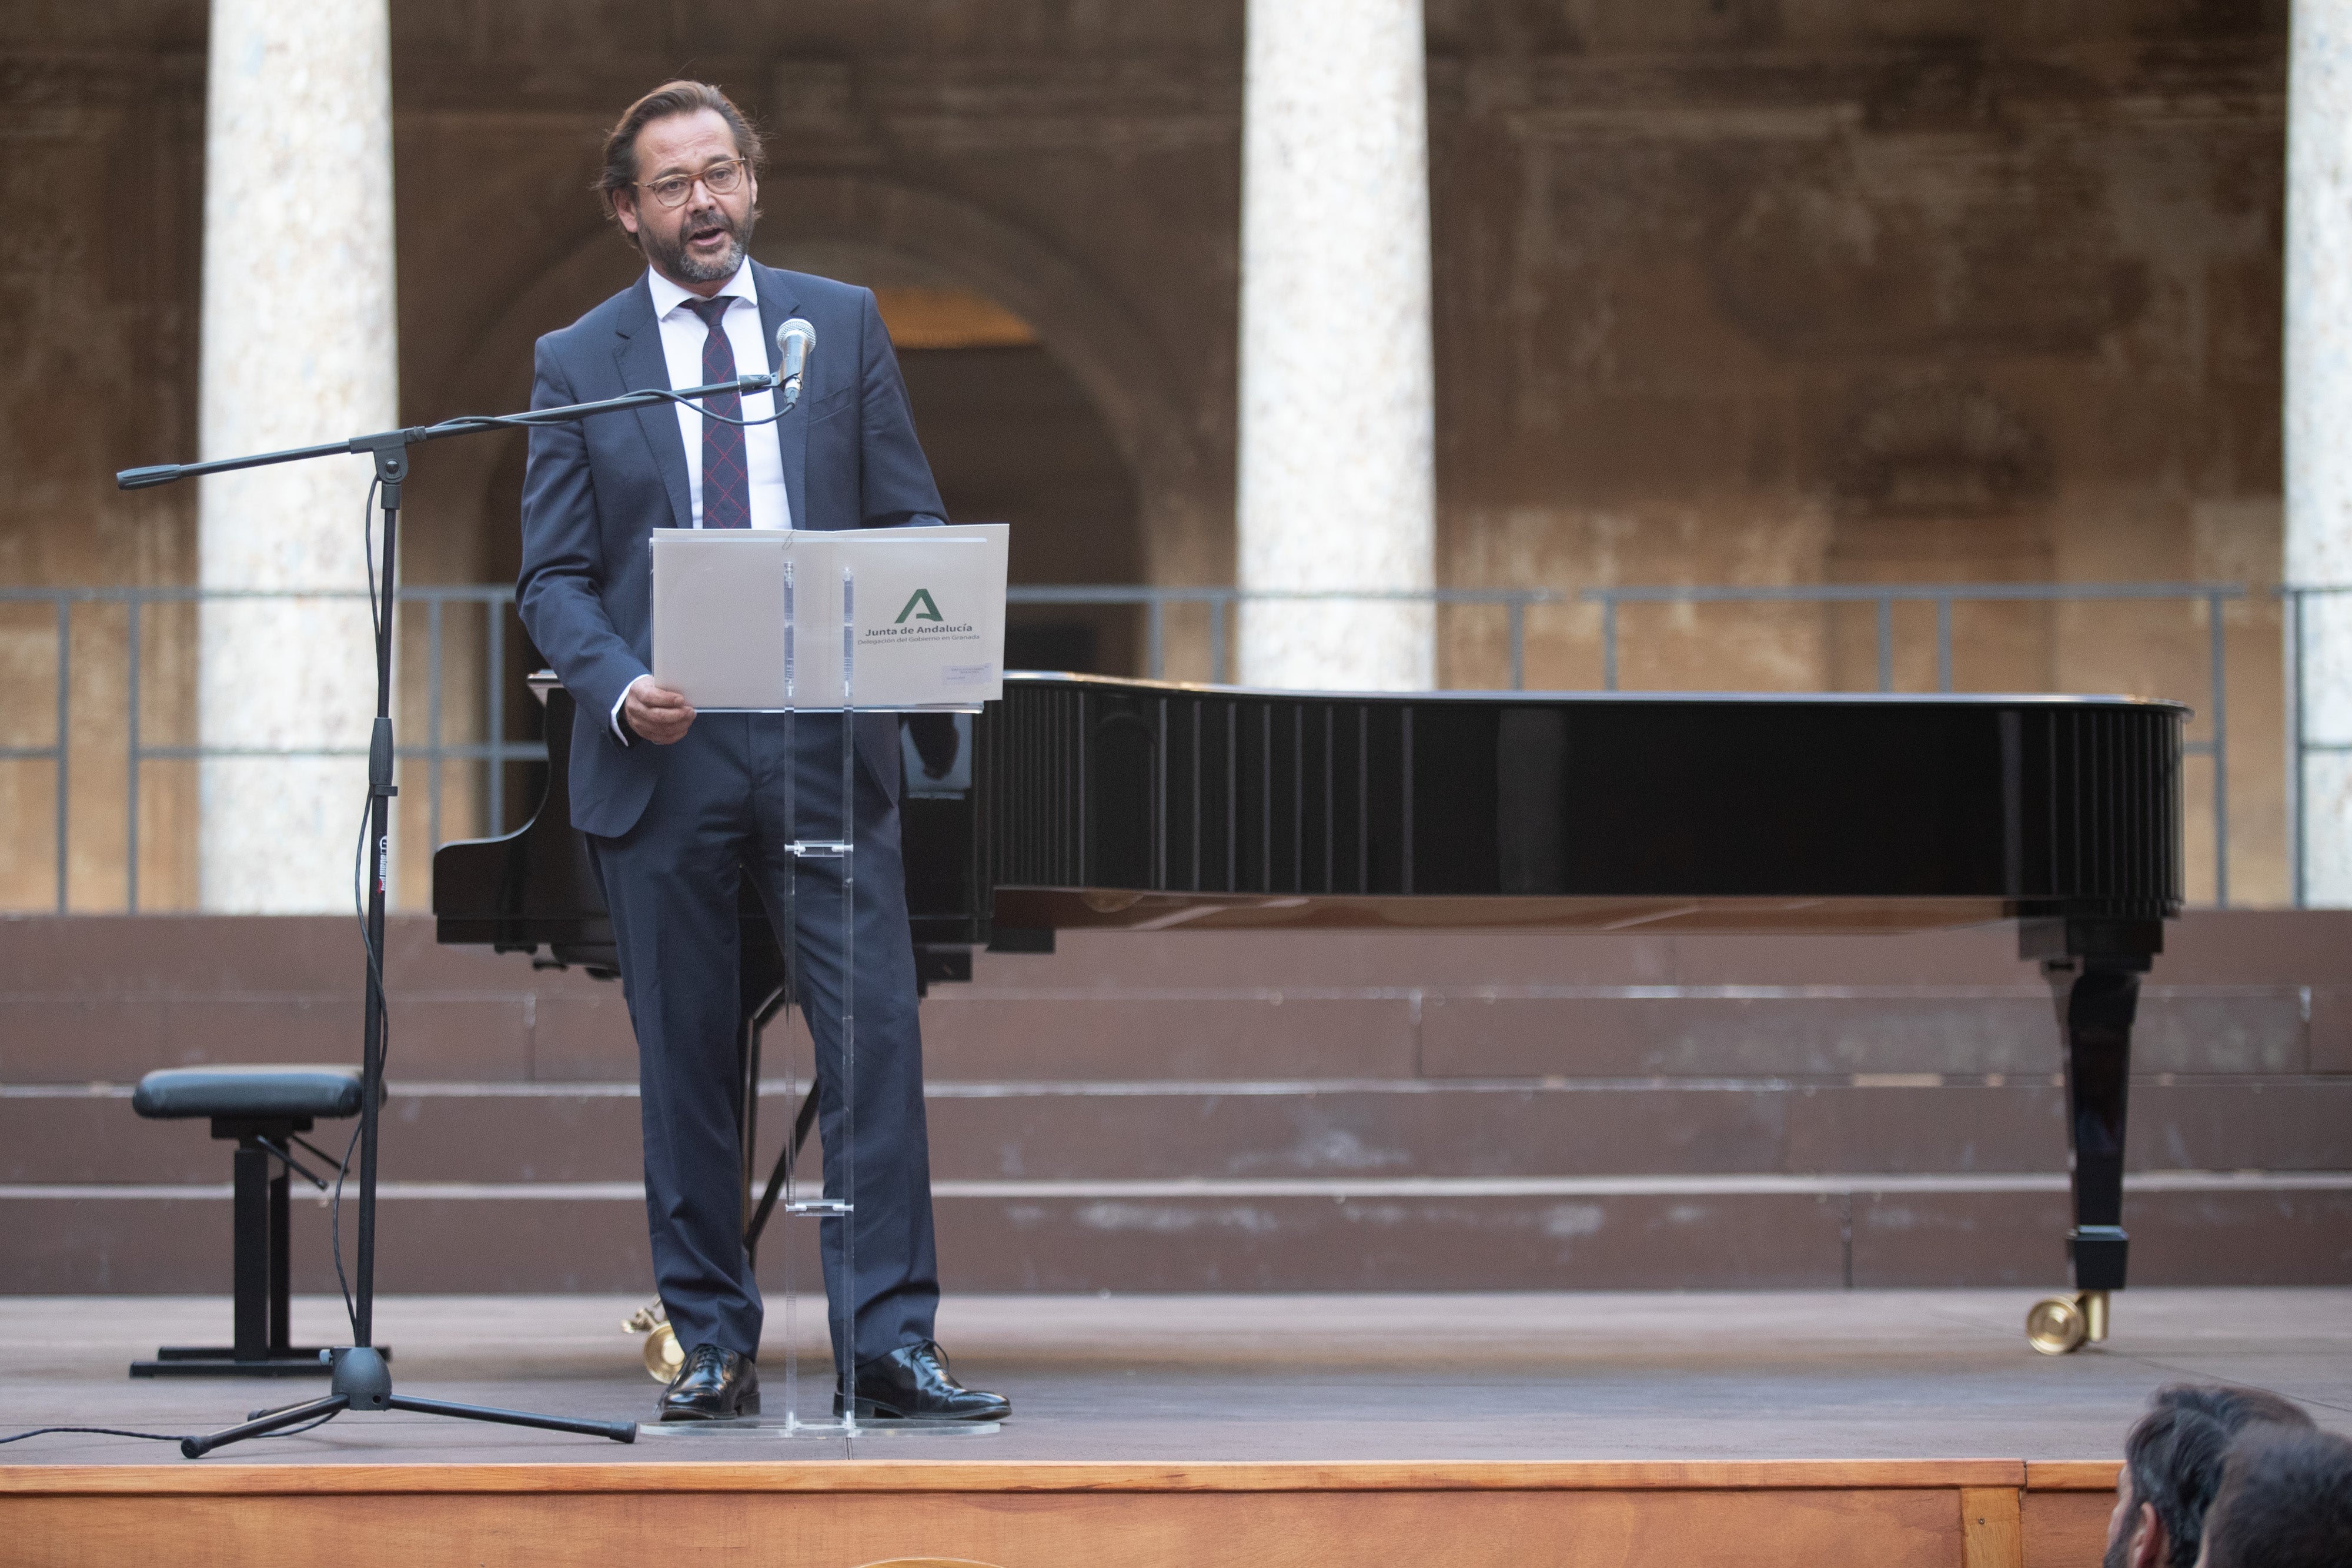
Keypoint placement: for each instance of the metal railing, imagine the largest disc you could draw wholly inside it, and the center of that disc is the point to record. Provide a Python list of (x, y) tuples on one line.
[(495, 599), (1884, 597), (494, 603), (497, 750), (2295, 601), (1221, 600)]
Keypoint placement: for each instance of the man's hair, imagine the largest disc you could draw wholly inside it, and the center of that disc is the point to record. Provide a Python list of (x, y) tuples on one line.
[(2175, 1453), (2286, 1503), (670, 99)]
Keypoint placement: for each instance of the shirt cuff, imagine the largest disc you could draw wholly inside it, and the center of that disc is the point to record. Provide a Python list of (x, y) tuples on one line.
[(620, 733)]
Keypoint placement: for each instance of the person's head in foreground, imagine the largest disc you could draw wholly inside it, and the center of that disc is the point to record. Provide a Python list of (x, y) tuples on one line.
[(2286, 1503), (2172, 1468)]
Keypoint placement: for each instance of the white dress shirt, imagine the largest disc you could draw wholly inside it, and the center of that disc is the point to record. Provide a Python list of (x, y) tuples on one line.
[(683, 334)]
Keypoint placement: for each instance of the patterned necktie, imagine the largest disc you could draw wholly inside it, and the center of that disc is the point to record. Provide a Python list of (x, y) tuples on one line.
[(726, 477)]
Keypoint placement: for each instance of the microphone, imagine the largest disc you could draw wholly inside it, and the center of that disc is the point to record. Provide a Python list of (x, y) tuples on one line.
[(795, 341)]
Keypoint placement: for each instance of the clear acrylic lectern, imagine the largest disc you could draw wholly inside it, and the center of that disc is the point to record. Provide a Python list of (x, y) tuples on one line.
[(952, 681)]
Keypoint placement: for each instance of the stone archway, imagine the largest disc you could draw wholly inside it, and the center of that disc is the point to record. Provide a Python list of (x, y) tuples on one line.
[(461, 525), (838, 223), (1079, 320)]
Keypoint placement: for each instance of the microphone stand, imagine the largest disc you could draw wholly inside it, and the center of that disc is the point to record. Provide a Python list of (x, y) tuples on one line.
[(361, 1373)]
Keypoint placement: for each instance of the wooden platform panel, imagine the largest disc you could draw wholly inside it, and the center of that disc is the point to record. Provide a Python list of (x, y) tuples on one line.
[(2064, 1514), (1950, 1513)]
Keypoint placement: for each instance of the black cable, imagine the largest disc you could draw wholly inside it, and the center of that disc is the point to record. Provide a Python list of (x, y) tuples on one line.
[(309, 1426), (335, 1204), (335, 1236), (378, 614), (527, 422), (367, 552), (96, 1432), (358, 894)]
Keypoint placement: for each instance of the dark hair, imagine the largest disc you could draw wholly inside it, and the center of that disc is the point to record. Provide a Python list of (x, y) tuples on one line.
[(670, 99), (2286, 1503), (2176, 1452)]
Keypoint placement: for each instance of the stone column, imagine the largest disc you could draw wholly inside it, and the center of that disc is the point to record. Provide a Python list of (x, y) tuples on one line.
[(298, 347), (1337, 485)]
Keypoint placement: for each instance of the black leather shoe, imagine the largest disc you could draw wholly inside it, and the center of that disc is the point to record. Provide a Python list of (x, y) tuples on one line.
[(913, 1384), (715, 1385)]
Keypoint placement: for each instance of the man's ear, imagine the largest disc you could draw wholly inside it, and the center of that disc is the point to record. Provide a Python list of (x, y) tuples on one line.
[(2149, 1547), (625, 207)]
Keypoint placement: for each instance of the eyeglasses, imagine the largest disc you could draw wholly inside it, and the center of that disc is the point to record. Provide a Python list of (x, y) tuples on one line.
[(721, 179)]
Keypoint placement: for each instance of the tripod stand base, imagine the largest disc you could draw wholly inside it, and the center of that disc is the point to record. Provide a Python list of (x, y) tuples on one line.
[(363, 1385)]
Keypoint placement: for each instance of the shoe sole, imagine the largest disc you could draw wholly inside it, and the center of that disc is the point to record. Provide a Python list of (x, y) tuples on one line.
[(750, 1406), (869, 1411)]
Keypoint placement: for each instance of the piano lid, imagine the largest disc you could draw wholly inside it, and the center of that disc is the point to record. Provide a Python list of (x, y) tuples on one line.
[(1730, 810), (1481, 698)]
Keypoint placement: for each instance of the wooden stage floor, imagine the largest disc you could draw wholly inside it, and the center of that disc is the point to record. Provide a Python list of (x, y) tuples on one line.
[(1160, 1379), (1888, 1397)]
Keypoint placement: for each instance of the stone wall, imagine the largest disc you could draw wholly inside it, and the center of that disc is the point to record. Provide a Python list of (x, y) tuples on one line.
[(1726, 291)]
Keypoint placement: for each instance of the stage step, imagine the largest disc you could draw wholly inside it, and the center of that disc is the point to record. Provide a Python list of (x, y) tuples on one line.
[(1244, 1129), (1755, 1232), (102, 999), (1467, 1110)]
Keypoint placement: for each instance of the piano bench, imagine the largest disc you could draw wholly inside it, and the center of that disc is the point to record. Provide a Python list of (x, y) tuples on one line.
[(265, 1110)]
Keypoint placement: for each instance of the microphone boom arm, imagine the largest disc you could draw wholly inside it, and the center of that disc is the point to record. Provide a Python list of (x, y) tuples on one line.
[(418, 434)]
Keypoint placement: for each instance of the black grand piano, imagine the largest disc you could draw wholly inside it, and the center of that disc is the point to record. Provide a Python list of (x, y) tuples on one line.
[(1081, 801)]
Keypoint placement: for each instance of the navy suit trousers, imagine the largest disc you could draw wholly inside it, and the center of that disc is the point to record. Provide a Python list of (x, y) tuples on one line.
[(717, 816)]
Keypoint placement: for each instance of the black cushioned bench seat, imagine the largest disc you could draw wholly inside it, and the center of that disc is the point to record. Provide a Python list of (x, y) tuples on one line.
[(265, 1110), (296, 1091)]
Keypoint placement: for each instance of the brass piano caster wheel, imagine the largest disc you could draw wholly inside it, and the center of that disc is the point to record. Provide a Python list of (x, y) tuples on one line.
[(663, 1357), (2061, 1325), (2054, 1327)]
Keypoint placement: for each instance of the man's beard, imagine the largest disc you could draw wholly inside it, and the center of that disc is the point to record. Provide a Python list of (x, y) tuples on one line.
[(672, 259)]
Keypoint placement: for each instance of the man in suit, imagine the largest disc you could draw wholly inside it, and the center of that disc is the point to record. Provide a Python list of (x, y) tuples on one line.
[(678, 810)]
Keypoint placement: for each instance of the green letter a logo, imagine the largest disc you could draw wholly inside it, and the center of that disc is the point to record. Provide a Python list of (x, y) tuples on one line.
[(920, 607)]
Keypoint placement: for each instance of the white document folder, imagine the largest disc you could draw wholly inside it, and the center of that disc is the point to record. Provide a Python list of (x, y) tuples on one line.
[(763, 620)]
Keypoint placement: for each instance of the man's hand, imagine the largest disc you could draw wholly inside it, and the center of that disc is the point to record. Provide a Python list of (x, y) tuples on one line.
[(655, 712)]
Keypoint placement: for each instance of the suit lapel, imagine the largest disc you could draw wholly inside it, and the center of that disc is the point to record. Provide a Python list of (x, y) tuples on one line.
[(777, 302), (643, 364)]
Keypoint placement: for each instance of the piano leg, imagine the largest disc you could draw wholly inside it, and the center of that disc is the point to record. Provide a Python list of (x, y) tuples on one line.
[(2095, 975)]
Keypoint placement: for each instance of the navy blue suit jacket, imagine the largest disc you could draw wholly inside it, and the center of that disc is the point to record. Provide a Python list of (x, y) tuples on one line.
[(594, 490)]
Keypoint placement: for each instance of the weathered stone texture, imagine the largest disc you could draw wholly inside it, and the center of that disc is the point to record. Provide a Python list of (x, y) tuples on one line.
[(1337, 402), (300, 339), (101, 178), (1746, 291)]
